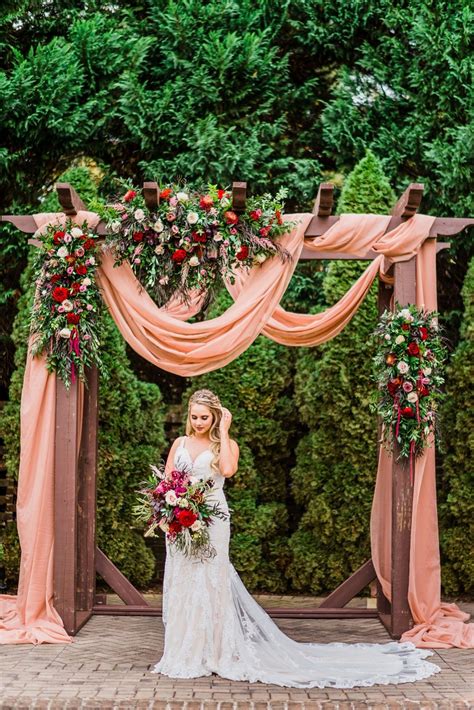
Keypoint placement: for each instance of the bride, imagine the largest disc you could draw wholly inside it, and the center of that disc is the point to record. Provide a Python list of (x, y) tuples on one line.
[(212, 623)]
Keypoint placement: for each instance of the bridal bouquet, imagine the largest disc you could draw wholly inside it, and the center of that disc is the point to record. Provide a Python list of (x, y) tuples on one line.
[(180, 507)]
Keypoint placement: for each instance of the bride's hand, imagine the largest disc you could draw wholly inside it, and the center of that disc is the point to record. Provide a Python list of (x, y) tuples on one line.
[(226, 421)]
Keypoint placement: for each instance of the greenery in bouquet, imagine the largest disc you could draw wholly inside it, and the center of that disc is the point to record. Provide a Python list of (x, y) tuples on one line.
[(64, 318), (408, 369), (193, 239), (180, 505)]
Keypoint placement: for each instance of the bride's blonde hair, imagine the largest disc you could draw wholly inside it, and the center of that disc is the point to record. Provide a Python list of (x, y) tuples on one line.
[(213, 403)]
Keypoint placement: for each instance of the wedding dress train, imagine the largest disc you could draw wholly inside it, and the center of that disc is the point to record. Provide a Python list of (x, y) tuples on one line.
[(213, 625)]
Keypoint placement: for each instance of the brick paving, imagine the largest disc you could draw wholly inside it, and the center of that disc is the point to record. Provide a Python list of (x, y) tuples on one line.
[(107, 666)]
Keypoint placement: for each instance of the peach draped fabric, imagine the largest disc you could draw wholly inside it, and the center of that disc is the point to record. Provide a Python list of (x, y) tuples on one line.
[(164, 338)]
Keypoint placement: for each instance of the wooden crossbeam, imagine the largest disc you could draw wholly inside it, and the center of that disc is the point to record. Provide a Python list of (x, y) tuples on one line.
[(275, 612), (324, 200), (409, 202), (69, 199), (117, 581), (346, 591)]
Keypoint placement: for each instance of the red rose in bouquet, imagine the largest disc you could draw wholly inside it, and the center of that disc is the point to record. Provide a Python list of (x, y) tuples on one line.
[(178, 256), (88, 244), (138, 236), (81, 270), (129, 195), (405, 326), (242, 253), (407, 412), (73, 318), (60, 294), (413, 348), (206, 202), (256, 214), (58, 236), (175, 527), (164, 194), (186, 517), (220, 194), (423, 332)]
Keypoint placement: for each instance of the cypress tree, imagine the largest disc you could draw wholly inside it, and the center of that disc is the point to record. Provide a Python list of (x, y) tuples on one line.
[(457, 444), (336, 463)]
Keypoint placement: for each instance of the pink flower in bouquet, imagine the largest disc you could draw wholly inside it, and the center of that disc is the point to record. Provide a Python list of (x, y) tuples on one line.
[(180, 490), (407, 386)]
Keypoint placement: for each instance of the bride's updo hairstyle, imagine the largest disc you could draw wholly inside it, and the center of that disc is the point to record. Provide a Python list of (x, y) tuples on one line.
[(213, 403)]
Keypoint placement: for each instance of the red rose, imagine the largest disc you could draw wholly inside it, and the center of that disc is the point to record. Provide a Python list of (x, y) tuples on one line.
[(175, 527), (206, 202), (81, 270), (58, 236), (264, 231), (89, 243), (393, 386), (279, 217), (164, 194), (407, 412), (60, 294), (137, 236), (242, 253), (423, 390), (220, 194), (413, 348), (199, 237), (405, 326), (55, 278), (255, 214), (423, 332), (186, 517), (75, 287), (129, 195), (73, 318), (178, 256), (230, 217)]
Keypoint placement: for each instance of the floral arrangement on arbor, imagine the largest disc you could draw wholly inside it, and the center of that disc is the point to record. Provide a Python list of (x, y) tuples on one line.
[(408, 368), (193, 239), (64, 316), (179, 505)]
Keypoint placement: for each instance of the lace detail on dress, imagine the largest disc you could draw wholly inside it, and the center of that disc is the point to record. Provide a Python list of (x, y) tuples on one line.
[(213, 625)]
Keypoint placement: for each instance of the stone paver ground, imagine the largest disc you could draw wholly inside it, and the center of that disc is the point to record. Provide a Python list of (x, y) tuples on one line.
[(107, 666)]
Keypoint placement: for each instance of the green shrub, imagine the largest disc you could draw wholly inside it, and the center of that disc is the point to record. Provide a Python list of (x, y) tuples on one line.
[(336, 463)]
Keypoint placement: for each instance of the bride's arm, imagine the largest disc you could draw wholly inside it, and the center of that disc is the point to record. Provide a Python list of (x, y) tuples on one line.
[(229, 456), (170, 460)]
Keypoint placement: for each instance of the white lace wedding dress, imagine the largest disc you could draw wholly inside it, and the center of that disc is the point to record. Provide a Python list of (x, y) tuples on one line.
[(213, 625)]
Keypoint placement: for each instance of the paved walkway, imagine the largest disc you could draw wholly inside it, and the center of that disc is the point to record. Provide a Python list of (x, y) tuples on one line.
[(107, 666)]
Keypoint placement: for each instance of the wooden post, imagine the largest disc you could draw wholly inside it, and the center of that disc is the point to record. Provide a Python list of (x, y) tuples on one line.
[(86, 521), (402, 491), (65, 504)]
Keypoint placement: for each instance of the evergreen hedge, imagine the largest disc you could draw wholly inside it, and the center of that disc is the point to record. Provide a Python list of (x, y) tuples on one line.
[(456, 483), (336, 463)]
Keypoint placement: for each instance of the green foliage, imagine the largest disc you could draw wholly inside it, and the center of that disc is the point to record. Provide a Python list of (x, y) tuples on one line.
[(332, 483), (457, 425), (255, 387)]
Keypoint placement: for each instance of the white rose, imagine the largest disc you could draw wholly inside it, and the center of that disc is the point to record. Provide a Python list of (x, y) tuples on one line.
[(192, 217), (261, 258), (427, 371), (158, 226), (86, 281), (402, 367), (405, 313), (116, 226), (67, 305), (171, 498), (183, 503), (197, 525), (182, 196), (159, 249), (91, 260), (399, 339), (387, 336), (62, 252), (194, 261), (65, 333), (139, 215), (412, 397), (217, 237), (76, 232)]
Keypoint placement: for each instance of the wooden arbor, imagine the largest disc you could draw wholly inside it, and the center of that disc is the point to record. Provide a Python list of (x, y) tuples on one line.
[(77, 559)]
